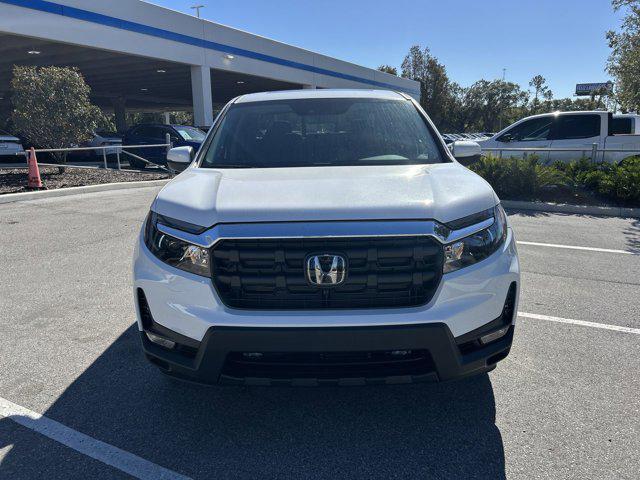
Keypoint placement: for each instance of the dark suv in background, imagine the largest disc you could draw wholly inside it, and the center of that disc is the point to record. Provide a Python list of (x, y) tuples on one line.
[(154, 134)]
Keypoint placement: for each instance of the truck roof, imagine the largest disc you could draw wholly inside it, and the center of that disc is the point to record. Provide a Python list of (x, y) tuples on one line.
[(582, 112), (322, 93), (569, 112), (626, 115)]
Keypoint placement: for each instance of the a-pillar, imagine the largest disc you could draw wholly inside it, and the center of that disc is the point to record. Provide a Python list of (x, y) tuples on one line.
[(202, 99)]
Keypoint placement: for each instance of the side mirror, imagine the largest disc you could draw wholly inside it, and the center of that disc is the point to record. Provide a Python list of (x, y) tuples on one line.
[(465, 150), (180, 158), (506, 138)]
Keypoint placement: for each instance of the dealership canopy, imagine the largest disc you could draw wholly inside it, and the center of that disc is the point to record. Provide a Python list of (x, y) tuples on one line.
[(135, 55)]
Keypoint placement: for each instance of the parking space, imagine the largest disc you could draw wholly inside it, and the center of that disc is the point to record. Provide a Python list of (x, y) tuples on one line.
[(564, 404)]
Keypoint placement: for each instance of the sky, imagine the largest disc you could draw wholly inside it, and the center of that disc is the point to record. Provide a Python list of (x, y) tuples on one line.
[(562, 40)]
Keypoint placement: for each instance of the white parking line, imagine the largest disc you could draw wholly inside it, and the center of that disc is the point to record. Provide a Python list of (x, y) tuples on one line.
[(576, 247), (582, 323), (108, 454)]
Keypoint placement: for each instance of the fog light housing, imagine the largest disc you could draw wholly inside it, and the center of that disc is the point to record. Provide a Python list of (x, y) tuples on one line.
[(158, 340), (495, 335)]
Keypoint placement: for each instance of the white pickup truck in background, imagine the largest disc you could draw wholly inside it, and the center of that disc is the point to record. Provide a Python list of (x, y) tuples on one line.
[(569, 130)]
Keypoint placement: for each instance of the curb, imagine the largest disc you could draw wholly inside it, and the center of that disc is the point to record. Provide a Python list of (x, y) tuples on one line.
[(63, 192), (573, 209)]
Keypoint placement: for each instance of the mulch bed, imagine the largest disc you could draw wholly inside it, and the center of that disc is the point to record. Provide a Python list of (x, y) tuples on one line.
[(15, 180)]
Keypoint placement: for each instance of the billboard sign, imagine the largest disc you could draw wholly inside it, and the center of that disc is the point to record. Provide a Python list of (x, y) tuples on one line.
[(586, 89)]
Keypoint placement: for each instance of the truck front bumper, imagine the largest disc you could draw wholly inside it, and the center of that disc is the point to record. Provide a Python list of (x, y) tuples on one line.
[(330, 356)]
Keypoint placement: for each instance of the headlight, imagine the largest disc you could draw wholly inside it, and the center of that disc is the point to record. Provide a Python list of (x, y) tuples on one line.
[(478, 246), (175, 252)]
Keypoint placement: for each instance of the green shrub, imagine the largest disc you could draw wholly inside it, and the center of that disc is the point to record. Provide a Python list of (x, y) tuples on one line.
[(518, 178), (574, 170), (525, 178), (52, 107), (621, 182)]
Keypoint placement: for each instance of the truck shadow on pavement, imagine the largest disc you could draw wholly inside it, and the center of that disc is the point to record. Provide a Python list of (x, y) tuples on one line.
[(632, 236), (415, 431)]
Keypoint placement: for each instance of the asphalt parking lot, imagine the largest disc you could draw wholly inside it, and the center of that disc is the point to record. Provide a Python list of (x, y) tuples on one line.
[(564, 404)]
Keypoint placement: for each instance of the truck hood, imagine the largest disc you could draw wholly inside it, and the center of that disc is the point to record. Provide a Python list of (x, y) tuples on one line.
[(443, 192)]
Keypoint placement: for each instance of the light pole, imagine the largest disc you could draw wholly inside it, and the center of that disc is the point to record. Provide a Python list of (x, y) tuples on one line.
[(504, 74), (197, 9)]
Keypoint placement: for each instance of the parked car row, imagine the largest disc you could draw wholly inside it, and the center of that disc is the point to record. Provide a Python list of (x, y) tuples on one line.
[(10, 146), (453, 137), (156, 134), (143, 134)]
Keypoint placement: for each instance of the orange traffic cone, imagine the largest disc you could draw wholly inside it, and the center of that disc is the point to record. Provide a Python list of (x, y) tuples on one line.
[(34, 171)]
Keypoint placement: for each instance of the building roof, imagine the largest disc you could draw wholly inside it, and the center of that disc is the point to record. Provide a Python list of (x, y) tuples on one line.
[(134, 27)]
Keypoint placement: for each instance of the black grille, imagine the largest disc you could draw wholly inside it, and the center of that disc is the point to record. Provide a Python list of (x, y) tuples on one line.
[(382, 272), (329, 365)]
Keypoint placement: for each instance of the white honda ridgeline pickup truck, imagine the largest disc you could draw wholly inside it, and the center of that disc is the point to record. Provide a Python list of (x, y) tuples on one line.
[(570, 130), (325, 237)]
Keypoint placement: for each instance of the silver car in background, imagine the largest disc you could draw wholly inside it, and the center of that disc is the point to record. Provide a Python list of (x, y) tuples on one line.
[(10, 146), (103, 138)]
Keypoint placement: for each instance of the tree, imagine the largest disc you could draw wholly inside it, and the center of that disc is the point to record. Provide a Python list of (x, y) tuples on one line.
[(388, 69), (542, 91), (490, 105), (437, 92), (175, 117), (486, 105), (539, 84), (51, 107), (5, 112), (569, 105), (624, 61)]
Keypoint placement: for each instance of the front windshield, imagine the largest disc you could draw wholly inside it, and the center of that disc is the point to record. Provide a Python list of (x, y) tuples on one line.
[(319, 132), (190, 133)]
